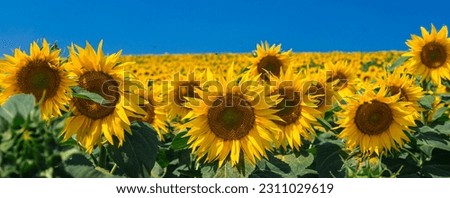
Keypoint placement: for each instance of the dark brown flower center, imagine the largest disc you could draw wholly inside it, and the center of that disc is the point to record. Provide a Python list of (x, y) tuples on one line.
[(37, 77), (433, 55), (267, 65), (290, 108), (231, 117), (395, 90), (341, 78), (185, 89), (373, 118), (102, 84)]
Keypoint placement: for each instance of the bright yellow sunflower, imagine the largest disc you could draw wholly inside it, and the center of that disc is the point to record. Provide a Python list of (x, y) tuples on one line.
[(105, 76), (152, 104), (319, 91), (342, 76), (400, 82), (180, 87), (269, 60), (375, 122), (232, 118), (40, 74), (297, 114), (430, 54)]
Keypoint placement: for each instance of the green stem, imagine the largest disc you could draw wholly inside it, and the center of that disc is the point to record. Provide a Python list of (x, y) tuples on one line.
[(113, 169), (102, 160), (415, 158)]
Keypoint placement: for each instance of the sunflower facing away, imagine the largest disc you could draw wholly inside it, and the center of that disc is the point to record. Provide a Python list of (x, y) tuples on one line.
[(297, 114), (39, 74), (231, 119), (102, 75), (430, 54), (269, 60), (375, 122)]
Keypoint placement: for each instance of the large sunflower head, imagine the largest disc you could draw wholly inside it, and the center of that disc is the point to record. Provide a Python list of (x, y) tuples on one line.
[(269, 60), (231, 119), (430, 54), (102, 75), (40, 74), (297, 114), (375, 122)]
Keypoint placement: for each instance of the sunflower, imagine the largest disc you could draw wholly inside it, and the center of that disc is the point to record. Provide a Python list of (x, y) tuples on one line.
[(105, 76), (430, 54), (40, 74), (399, 82), (231, 117), (319, 91), (151, 102), (342, 76), (182, 86), (297, 114), (375, 122), (269, 60)]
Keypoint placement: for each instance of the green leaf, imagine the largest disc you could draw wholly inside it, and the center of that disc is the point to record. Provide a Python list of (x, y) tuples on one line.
[(445, 97), (299, 165), (430, 140), (179, 142), (439, 113), (18, 106), (79, 92), (427, 129), (6, 145), (444, 128), (77, 165), (324, 123), (157, 171), (328, 160), (74, 157), (271, 167), (427, 102), (137, 156), (398, 62), (3, 125), (436, 170), (227, 171)]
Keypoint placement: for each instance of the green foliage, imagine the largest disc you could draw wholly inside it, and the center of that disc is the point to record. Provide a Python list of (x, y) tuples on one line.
[(28, 148), (179, 142), (79, 92), (328, 161), (32, 147), (137, 156), (398, 63), (427, 102)]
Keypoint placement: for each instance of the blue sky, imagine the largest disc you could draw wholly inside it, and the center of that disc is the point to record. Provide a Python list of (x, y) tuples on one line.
[(191, 26)]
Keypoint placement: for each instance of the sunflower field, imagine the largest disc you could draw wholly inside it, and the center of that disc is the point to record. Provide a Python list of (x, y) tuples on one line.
[(267, 113)]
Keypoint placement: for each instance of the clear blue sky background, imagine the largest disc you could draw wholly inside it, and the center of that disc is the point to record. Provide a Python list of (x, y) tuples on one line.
[(191, 26)]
